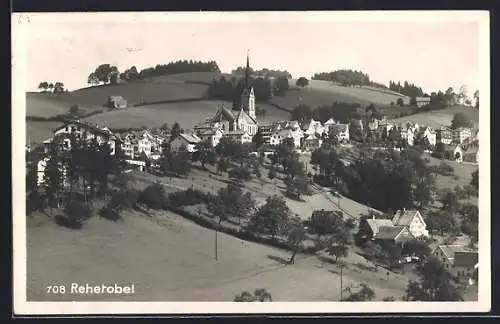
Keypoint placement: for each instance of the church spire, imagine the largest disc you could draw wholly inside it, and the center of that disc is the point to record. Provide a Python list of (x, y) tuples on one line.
[(247, 71)]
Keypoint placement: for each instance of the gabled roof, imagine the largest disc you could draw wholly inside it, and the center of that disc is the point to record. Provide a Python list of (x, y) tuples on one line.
[(312, 137), (190, 138), (449, 251), (389, 232), (404, 217), (339, 127), (330, 121), (375, 224), (243, 114)]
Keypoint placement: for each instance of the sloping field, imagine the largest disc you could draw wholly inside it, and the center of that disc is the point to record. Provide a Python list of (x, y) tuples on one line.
[(47, 105), (362, 94), (172, 259), (463, 173), (199, 77), (438, 118), (187, 114), (37, 131), (140, 92)]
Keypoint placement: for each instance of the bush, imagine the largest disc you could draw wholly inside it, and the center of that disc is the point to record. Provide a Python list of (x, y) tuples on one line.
[(124, 199), (153, 196), (76, 214), (110, 213), (444, 169), (240, 173), (189, 197)]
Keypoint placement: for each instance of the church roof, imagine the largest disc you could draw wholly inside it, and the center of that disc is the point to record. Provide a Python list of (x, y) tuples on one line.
[(223, 114), (243, 114)]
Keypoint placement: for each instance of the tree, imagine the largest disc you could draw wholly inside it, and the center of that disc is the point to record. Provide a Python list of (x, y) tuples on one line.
[(205, 154), (43, 85), (296, 236), (281, 85), (260, 295), (102, 73), (59, 87), (258, 139), (272, 218), (441, 221), (175, 131), (400, 102), (222, 165), (92, 79), (475, 179), (460, 120), (153, 196), (365, 293), (74, 111), (324, 222), (51, 86), (302, 113), (413, 101), (53, 177), (434, 285), (302, 82), (272, 173), (476, 99)]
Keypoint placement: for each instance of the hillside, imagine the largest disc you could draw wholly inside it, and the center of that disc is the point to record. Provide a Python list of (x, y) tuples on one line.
[(48, 104), (438, 118), (187, 114)]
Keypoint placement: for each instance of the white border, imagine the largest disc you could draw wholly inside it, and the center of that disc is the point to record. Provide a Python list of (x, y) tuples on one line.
[(22, 307)]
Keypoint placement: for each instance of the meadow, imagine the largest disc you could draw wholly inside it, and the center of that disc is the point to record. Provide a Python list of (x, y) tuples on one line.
[(187, 114), (440, 118)]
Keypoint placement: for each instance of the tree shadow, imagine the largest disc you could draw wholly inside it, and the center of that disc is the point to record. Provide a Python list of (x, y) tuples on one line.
[(278, 259)]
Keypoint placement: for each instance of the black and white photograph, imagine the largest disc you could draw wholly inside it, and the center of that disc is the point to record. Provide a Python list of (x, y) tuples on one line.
[(247, 160)]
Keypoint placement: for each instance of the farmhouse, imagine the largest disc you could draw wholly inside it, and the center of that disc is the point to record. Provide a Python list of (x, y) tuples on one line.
[(116, 102), (444, 135), (312, 142), (329, 122), (341, 131), (212, 136), (471, 152), (457, 260), (83, 131), (186, 142), (429, 134), (462, 134), (422, 101), (313, 127), (280, 135), (394, 234), (413, 220)]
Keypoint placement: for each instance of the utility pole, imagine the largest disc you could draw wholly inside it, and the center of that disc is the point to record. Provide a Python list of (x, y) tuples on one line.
[(217, 224)]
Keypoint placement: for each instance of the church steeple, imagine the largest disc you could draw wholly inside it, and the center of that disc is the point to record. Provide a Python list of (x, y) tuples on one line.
[(247, 72)]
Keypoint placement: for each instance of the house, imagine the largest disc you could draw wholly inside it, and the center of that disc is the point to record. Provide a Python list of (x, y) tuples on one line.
[(313, 127), (458, 260), (372, 125), (225, 119), (413, 220), (186, 142), (369, 227), (407, 134), (40, 169), (238, 136), (471, 152), (85, 131), (127, 146), (341, 131), (394, 234), (454, 152), (212, 136), (461, 134), (429, 134), (444, 135), (116, 102), (266, 131), (280, 135), (422, 101), (312, 142)]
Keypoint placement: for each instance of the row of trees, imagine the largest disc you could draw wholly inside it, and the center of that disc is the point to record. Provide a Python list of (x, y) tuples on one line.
[(109, 74), (407, 89), (269, 73), (345, 77), (231, 90), (57, 87), (339, 111)]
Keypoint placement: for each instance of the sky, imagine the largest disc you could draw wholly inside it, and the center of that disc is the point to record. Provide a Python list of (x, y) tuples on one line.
[(433, 51)]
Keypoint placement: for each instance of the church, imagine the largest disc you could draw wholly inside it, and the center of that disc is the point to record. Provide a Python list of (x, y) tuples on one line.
[(241, 126)]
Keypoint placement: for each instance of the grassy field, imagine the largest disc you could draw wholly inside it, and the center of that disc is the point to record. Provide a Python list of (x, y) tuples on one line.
[(438, 118), (463, 174), (168, 258), (37, 131), (187, 114), (48, 105)]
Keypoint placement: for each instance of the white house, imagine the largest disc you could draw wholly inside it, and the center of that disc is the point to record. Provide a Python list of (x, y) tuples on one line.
[(312, 142), (454, 152), (430, 134), (329, 122), (185, 141), (239, 136), (413, 220), (42, 165), (212, 136), (422, 101), (280, 135), (314, 127)]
